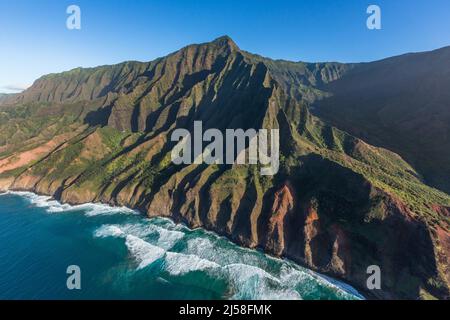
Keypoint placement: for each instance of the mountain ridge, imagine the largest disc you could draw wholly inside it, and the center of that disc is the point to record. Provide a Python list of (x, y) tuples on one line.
[(226, 38), (337, 206), (400, 103)]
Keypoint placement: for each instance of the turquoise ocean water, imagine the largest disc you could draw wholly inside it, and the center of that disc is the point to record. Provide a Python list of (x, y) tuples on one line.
[(123, 255)]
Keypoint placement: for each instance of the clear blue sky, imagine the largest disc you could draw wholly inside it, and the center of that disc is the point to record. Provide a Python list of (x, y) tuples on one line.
[(35, 41)]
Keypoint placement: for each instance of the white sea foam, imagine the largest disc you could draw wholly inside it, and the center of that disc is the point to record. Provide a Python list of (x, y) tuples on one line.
[(94, 209), (32, 197), (144, 252), (212, 250), (109, 231), (166, 239), (309, 280), (179, 263), (239, 273), (250, 282), (265, 293), (122, 230), (245, 271), (53, 206), (246, 281), (200, 245)]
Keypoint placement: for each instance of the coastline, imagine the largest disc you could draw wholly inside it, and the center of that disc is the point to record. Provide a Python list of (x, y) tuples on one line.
[(334, 281)]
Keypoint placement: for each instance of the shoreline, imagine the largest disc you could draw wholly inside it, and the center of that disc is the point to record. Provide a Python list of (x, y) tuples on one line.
[(334, 281)]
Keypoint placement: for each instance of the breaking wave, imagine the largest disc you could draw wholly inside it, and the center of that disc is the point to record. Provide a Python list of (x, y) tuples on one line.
[(196, 257), (53, 206), (248, 274), (143, 251)]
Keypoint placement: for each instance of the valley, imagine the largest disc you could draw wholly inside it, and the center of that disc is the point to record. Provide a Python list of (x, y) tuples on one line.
[(344, 197)]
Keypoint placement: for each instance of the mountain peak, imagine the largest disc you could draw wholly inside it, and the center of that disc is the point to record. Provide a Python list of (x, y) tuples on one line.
[(225, 41)]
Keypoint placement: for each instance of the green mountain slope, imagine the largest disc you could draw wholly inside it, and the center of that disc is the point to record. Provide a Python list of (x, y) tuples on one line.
[(400, 103), (4, 97), (338, 204)]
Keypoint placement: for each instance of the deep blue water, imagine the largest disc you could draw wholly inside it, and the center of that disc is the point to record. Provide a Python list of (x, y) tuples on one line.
[(123, 255)]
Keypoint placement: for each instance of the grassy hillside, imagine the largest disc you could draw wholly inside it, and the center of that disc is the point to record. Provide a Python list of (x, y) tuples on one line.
[(337, 205), (400, 103)]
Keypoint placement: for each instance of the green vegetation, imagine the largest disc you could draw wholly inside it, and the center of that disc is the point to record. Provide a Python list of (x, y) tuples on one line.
[(112, 140)]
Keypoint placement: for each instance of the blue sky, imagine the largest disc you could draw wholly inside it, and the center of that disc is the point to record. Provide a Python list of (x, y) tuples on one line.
[(35, 41)]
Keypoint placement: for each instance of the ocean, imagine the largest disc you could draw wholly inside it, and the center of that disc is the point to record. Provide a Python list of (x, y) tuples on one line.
[(124, 255)]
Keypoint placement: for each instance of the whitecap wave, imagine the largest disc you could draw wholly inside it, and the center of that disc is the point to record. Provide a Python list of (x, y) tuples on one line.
[(211, 249), (94, 209), (245, 281), (308, 280), (247, 273), (250, 282), (179, 263), (144, 252), (166, 239), (109, 231), (239, 273), (54, 206)]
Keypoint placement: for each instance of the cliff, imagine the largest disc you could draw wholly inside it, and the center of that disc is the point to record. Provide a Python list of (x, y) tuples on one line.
[(337, 205)]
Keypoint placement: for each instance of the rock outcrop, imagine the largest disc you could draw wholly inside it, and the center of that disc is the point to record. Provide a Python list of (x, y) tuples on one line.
[(337, 205)]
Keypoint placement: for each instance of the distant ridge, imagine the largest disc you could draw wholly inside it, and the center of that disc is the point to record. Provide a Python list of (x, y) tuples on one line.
[(337, 205)]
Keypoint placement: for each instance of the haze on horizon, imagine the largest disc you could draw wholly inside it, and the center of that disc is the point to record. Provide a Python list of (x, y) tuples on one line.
[(35, 40)]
